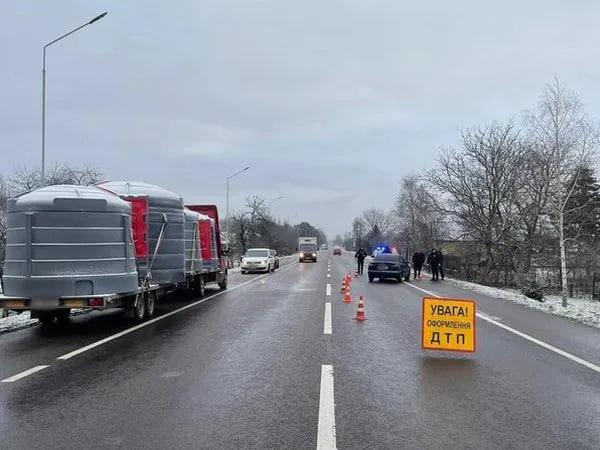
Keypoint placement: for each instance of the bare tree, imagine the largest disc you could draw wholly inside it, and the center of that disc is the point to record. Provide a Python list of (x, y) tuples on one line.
[(25, 179), (565, 141), (421, 223), (3, 198), (358, 232), (377, 218), (477, 183)]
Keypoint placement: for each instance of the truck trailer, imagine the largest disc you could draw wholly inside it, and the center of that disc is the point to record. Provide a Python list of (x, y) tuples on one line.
[(115, 245)]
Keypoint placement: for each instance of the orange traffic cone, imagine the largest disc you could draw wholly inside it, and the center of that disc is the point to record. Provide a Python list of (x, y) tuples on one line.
[(347, 296), (360, 312), (349, 279), (343, 288)]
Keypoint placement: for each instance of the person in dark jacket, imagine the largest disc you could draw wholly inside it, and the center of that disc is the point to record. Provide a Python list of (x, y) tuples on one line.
[(360, 259), (441, 264), (434, 262), (418, 259)]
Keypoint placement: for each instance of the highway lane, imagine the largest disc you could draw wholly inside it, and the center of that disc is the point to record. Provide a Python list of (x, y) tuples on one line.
[(240, 371), (25, 348), (510, 394), (245, 369)]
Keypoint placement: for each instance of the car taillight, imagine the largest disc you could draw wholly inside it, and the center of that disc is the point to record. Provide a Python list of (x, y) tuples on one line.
[(96, 301)]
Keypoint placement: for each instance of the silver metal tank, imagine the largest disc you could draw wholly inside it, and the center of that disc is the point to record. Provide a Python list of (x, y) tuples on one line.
[(193, 259), (68, 240), (167, 263)]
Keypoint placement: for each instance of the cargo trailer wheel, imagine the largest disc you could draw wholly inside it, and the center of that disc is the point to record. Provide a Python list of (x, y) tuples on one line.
[(223, 284), (201, 287), (139, 310), (150, 300), (63, 315), (46, 318)]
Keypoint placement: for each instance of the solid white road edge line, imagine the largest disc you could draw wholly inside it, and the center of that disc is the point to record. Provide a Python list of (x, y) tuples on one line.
[(326, 427), (543, 344), (164, 316), (24, 374), (327, 319), (328, 289)]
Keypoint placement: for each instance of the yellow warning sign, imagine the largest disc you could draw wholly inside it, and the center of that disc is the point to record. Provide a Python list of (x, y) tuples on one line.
[(448, 324)]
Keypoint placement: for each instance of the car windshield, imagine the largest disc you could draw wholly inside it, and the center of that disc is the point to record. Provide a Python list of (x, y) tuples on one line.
[(387, 257), (257, 253), (308, 247)]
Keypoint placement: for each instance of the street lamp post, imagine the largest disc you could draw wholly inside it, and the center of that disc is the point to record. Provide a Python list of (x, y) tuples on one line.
[(227, 207), (95, 19)]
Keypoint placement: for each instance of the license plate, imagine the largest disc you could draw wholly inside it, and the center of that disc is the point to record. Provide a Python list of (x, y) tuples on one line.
[(44, 303)]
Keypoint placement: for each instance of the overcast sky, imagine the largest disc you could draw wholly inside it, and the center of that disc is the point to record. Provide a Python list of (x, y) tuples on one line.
[(329, 102)]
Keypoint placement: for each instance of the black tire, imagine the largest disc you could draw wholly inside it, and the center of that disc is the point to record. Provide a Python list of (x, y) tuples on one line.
[(371, 279), (407, 277), (223, 284), (63, 315), (150, 300), (201, 287), (399, 279), (46, 318), (139, 310)]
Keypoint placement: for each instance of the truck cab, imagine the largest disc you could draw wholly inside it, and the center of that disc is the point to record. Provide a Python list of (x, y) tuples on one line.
[(307, 249)]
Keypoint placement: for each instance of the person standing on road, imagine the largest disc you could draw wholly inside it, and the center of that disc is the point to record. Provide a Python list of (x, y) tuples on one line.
[(434, 263), (360, 258), (441, 264), (418, 259)]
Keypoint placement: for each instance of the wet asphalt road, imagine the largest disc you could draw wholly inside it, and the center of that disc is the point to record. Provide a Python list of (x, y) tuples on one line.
[(243, 370)]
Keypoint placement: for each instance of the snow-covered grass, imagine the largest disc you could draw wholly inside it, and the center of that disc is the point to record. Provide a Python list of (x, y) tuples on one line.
[(582, 310)]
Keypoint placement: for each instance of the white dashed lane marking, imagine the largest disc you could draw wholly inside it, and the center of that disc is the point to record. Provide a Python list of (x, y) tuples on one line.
[(24, 374), (327, 319), (326, 427)]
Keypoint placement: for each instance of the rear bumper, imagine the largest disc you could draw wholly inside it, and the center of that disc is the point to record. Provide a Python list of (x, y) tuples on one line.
[(385, 274)]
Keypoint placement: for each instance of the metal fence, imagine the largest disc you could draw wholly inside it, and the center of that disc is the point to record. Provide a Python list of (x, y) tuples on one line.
[(582, 281)]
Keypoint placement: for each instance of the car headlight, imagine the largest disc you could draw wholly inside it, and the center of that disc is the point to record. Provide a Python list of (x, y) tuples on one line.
[(314, 255), (301, 255)]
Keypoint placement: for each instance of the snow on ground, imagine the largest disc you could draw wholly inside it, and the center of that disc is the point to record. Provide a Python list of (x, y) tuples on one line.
[(16, 321), (579, 309)]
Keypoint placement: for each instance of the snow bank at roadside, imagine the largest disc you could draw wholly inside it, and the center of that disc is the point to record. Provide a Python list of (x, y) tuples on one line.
[(16, 321), (579, 309)]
